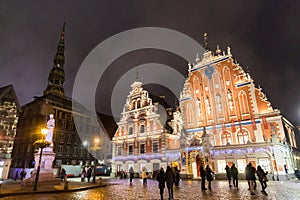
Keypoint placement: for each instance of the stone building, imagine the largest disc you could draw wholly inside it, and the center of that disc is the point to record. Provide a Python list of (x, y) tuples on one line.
[(68, 144), (9, 114)]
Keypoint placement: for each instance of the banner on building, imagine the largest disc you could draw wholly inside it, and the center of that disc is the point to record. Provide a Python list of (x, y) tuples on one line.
[(254, 124), (232, 126), (265, 123)]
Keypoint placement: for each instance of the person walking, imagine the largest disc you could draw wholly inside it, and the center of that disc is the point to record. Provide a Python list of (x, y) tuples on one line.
[(228, 175), (177, 176), (203, 175), (63, 174), (234, 172), (262, 177), (83, 174), (131, 172), (144, 176), (89, 174), (23, 174), (170, 179), (250, 177), (209, 176), (161, 178)]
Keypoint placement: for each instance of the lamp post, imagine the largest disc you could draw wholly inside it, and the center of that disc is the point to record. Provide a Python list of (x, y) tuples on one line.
[(95, 148), (41, 143)]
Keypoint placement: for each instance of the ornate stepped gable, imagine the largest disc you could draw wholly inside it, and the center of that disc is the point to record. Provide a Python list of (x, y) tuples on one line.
[(139, 114), (220, 95)]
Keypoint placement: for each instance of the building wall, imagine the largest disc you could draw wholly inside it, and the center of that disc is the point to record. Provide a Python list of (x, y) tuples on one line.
[(221, 97), (139, 139)]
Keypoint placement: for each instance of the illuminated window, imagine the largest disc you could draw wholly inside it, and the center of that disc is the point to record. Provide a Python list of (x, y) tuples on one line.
[(226, 138), (221, 166), (265, 164), (242, 137), (241, 165)]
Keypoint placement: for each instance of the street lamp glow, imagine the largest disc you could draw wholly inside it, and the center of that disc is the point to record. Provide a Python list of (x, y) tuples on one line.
[(85, 143), (44, 131), (97, 140), (42, 143)]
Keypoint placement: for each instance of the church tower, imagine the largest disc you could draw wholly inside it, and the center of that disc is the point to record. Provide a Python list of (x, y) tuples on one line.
[(56, 76)]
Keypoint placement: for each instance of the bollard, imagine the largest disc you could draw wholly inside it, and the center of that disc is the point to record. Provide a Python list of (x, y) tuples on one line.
[(100, 181), (66, 186)]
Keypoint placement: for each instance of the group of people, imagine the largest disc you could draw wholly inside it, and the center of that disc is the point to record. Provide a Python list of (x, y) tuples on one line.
[(169, 178), (86, 173), (206, 173), (250, 171), (232, 174)]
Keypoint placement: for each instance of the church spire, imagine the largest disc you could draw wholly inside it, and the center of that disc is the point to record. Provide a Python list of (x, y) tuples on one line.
[(56, 76)]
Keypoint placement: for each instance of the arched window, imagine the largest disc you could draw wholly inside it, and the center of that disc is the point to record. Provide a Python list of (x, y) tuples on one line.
[(196, 85), (243, 100), (226, 138), (189, 114), (242, 136)]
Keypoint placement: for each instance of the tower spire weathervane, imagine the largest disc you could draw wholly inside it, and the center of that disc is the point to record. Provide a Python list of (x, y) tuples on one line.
[(56, 76)]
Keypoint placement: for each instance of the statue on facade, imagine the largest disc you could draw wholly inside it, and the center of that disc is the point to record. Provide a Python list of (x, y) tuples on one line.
[(50, 126)]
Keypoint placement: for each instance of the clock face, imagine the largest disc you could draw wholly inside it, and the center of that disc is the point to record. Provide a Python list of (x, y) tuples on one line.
[(209, 71), (136, 90)]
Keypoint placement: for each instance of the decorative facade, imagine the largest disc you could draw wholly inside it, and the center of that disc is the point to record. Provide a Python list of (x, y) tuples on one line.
[(227, 119), (140, 140), (9, 114)]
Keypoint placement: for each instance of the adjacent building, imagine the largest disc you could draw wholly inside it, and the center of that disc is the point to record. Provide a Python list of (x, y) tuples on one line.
[(140, 140), (9, 114)]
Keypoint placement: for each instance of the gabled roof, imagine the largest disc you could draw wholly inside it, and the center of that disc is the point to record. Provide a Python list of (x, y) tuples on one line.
[(10, 88)]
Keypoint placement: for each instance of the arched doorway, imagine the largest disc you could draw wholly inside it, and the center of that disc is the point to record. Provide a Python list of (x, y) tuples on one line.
[(196, 158)]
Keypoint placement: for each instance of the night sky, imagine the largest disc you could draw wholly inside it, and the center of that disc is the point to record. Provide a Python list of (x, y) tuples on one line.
[(263, 36)]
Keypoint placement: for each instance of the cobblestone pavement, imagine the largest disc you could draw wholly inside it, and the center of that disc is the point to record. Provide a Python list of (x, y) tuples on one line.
[(121, 189)]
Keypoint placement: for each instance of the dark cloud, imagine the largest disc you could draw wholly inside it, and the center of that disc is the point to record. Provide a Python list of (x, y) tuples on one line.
[(264, 35)]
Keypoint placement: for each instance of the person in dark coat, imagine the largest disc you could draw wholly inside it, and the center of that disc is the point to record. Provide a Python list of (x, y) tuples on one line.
[(89, 174), (170, 179), (131, 172), (228, 174), (250, 177), (209, 176), (83, 174), (234, 172), (161, 178), (203, 175), (23, 174), (262, 177), (177, 176), (63, 175)]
